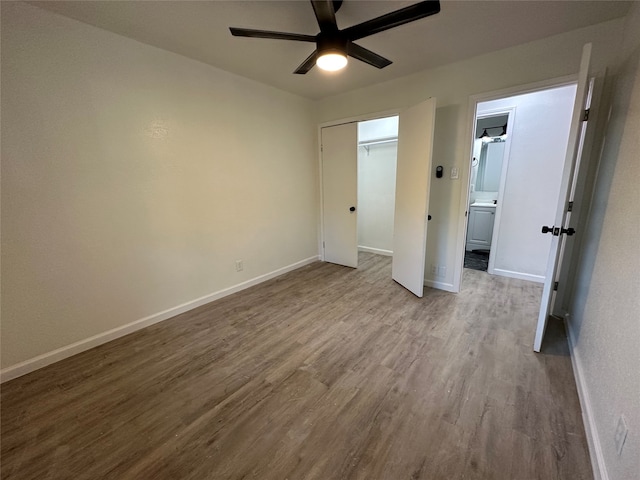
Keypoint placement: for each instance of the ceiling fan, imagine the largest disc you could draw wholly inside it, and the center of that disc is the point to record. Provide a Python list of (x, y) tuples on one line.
[(333, 45)]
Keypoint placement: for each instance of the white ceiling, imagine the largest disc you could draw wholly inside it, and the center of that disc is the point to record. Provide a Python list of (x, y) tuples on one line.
[(462, 29)]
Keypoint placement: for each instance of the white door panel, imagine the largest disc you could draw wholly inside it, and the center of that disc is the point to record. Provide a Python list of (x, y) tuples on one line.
[(413, 177), (340, 193), (570, 170)]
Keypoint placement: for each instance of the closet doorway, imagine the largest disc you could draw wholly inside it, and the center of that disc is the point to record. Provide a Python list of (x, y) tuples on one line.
[(377, 160), (363, 206)]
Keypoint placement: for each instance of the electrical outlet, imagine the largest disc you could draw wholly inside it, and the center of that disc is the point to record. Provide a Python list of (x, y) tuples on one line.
[(442, 270), (239, 265), (620, 435), (454, 173), (433, 270)]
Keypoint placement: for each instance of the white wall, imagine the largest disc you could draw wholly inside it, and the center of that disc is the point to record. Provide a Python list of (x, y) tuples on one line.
[(604, 325), (377, 185), (133, 178), (376, 197), (377, 129), (452, 85), (534, 171)]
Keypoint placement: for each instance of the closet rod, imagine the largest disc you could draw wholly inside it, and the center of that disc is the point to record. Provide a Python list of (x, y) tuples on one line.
[(377, 142), (368, 144)]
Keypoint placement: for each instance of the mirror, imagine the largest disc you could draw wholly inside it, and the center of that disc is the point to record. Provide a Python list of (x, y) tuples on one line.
[(488, 153)]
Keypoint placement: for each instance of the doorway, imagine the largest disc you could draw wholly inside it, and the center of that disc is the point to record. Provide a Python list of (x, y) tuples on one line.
[(518, 157), (489, 158), (404, 207), (377, 161)]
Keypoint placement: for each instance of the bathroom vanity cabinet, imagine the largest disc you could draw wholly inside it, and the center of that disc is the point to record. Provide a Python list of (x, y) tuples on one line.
[(480, 227)]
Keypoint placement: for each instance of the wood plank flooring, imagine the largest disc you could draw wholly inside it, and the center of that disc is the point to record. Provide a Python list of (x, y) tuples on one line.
[(323, 373)]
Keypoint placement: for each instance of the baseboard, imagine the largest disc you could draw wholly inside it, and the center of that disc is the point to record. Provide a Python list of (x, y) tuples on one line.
[(518, 275), (593, 440), (377, 251), (439, 285), (48, 358)]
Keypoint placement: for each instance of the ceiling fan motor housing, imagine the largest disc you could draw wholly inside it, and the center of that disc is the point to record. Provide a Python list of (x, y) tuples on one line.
[(331, 43)]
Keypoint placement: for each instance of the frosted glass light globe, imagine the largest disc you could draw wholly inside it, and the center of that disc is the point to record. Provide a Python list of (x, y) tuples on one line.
[(331, 62)]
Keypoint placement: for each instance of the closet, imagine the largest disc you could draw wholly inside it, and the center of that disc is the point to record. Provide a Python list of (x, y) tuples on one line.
[(359, 209), (377, 159)]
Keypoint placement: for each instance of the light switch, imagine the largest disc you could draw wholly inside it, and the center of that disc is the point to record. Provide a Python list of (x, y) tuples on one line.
[(454, 173)]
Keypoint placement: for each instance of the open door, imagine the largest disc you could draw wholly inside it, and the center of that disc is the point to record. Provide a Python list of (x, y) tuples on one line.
[(340, 193), (413, 178), (560, 228)]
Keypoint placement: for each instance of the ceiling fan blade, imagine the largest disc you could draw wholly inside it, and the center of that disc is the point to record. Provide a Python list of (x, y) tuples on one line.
[(367, 56), (393, 19), (307, 64), (247, 32), (325, 14)]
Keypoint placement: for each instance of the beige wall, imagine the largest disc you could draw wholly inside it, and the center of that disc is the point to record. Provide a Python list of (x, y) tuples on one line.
[(605, 312), (452, 85), (133, 178)]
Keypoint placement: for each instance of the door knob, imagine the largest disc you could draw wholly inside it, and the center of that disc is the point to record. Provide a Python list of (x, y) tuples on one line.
[(352, 209), (558, 231)]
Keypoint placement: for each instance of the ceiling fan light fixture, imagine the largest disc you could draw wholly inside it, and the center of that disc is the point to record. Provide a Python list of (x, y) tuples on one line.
[(332, 61), (334, 44)]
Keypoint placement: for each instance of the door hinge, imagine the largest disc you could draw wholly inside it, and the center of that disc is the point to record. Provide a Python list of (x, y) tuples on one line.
[(570, 207), (585, 115), (321, 148), (322, 244), (555, 286)]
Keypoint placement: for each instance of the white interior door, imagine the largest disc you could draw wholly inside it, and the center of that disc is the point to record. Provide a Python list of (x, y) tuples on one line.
[(340, 194), (561, 218), (413, 178)]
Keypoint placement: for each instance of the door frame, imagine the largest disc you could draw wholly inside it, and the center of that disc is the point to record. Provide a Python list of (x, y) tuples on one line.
[(472, 111), (511, 115), (332, 123)]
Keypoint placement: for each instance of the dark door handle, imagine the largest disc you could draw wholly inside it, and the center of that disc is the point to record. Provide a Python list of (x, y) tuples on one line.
[(352, 209), (428, 217), (556, 231)]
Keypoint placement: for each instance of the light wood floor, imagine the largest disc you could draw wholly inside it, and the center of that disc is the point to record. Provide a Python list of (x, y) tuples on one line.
[(323, 373)]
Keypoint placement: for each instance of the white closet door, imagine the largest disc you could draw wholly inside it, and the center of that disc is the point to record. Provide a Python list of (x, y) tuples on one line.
[(571, 165), (340, 193), (413, 178)]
